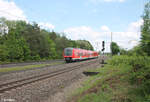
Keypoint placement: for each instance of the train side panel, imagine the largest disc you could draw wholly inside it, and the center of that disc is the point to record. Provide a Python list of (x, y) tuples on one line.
[(75, 54)]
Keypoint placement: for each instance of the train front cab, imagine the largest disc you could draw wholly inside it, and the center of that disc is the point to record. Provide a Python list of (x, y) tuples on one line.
[(68, 53)]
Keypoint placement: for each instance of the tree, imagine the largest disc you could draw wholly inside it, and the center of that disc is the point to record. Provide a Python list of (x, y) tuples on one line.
[(84, 44), (12, 45), (17, 47), (3, 53), (123, 51), (114, 48), (145, 36), (61, 43), (47, 46)]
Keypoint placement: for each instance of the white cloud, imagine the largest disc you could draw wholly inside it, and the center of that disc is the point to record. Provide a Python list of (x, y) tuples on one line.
[(46, 25), (126, 39), (105, 28), (135, 26), (134, 42), (11, 11), (86, 33), (82, 32)]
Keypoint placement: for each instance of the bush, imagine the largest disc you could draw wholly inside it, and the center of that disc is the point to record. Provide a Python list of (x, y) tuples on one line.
[(36, 58), (139, 73)]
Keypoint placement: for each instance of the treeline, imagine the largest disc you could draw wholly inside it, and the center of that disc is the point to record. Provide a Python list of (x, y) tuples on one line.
[(22, 41)]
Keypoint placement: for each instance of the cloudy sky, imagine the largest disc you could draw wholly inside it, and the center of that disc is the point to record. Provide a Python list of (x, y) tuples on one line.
[(92, 20)]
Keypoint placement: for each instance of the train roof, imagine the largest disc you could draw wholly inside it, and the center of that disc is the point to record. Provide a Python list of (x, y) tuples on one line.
[(78, 49), (69, 48)]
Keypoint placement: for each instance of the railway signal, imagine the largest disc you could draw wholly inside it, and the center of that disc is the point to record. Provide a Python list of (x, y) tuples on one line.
[(103, 45), (103, 48)]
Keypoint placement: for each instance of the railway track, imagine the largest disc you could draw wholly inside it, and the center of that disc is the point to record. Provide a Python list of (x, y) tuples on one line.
[(10, 65), (18, 83)]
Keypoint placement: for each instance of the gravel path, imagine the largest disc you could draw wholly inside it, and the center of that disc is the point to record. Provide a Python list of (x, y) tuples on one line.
[(48, 90)]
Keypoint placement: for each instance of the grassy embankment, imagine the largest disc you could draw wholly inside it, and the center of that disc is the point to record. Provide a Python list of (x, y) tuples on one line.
[(3, 70), (123, 79)]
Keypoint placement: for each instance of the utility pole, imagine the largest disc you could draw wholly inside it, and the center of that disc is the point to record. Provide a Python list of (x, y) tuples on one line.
[(111, 37), (111, 43), (96, 46)]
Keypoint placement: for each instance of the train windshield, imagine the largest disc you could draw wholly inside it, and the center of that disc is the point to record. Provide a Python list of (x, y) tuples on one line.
[(68, 51)]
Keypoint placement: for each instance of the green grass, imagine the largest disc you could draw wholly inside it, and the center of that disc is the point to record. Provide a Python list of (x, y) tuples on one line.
[(100, 89), (2, 70), (112, 84)]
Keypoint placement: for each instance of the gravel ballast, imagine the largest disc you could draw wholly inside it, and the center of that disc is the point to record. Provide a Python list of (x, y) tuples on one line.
[(56, 89), (29, 63)]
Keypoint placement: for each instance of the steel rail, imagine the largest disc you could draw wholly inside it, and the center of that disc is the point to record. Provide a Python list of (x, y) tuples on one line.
[(18, 83)]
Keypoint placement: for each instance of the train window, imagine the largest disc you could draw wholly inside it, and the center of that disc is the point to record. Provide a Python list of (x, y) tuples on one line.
[(68, 52), (80, 53)]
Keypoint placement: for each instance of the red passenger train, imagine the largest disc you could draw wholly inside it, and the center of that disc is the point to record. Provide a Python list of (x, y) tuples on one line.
[(75, 54)]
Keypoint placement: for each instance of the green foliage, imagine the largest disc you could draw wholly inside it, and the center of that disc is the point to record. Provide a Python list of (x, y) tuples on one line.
[(16, 47), (123, 79), (109, 85), (123, 51), (114, 48), (3, 53), (84, 44), (145, 37), (137, 50), (101, 97), (61, 43), (139, 73)]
